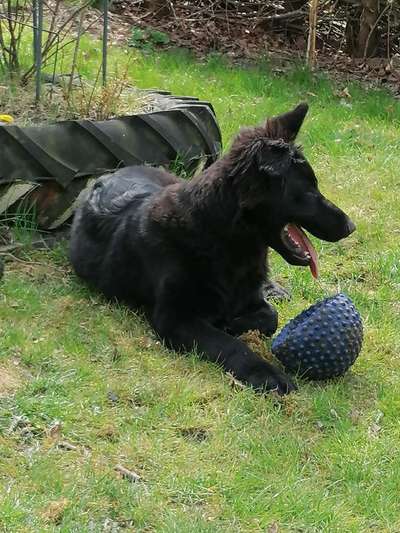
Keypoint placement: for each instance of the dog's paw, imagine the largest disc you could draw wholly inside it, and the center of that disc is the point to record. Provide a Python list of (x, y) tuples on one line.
[(274, 291), (271, 379)]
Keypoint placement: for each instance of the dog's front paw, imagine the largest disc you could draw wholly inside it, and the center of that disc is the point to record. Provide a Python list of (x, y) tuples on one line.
[(270, 378)]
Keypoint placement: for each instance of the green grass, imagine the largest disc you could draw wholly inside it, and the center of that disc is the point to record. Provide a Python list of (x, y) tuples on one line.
[(213, 458)]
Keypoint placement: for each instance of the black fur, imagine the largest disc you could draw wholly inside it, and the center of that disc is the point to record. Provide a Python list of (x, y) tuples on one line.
[(192, 254)]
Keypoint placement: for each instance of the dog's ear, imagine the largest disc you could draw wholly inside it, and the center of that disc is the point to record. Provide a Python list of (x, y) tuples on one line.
[(274, 158), (287, 125)]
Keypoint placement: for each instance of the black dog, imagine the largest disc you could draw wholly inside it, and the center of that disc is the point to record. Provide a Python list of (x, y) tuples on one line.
[(192, 254)]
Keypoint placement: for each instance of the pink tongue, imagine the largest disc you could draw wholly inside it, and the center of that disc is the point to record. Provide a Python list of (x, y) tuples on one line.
[(298, 235)]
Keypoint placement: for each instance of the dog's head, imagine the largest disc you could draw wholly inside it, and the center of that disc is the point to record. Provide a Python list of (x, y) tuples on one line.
[(279, 191)]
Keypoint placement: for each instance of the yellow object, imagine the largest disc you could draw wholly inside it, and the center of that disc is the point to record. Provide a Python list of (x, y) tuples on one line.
[(6, 118)]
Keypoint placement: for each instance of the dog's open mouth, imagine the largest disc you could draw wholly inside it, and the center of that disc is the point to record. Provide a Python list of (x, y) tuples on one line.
[(300, 246)]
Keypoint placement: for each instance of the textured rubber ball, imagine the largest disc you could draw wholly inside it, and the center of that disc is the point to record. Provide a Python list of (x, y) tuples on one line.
[(323, 341)]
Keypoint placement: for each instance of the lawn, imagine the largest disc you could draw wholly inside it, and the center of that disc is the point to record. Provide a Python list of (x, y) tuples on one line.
[(85, 386)]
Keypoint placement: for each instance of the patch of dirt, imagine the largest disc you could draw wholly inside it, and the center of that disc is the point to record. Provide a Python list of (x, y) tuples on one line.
[(10, 379)]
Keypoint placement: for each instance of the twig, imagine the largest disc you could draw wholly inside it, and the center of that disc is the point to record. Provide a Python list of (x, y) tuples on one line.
[(374, 28), (235, 382), (67, 445), (52, 21), (38, 50), (32, 264), (312, 33), (75, 56), (92, 94), (104, 43), (7, 248), (130, 475), (290, 15), (388, 34)]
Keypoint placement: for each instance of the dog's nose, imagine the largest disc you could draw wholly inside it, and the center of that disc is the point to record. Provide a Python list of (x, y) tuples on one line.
[(350, 227)]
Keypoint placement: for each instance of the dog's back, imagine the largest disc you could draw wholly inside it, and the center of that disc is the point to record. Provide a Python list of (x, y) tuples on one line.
[(105, 245)]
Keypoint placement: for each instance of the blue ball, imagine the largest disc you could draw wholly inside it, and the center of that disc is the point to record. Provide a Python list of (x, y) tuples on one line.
[(323, 341)]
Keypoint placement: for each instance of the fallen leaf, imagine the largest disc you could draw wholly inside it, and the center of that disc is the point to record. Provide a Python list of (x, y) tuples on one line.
[(54, 431), (344, 93), (55, 510)]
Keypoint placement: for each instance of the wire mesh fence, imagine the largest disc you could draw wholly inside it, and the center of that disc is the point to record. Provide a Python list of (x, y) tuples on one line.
[(52, 28)]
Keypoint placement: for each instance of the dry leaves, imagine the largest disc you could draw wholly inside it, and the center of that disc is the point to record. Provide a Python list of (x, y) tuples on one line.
[(343, 93), (55, 510)]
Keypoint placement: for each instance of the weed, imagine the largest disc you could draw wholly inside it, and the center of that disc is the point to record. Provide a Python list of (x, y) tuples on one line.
[(23, 219), (147, 39)]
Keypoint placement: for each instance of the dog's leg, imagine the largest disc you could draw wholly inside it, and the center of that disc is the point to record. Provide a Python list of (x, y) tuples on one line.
[(264, 319), (274, 291), (219, 347)]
